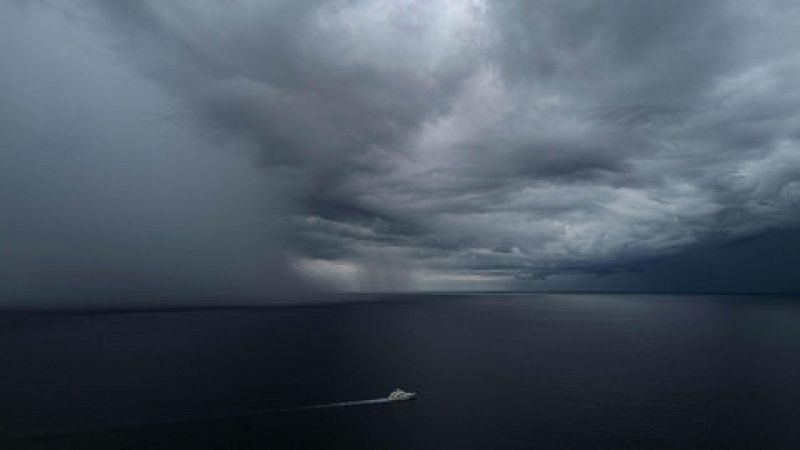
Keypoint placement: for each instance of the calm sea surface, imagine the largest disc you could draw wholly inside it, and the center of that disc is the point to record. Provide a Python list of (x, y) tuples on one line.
[(492, 371)]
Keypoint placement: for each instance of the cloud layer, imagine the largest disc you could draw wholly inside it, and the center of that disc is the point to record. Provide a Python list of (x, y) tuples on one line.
[(108, 197), (454, 142)]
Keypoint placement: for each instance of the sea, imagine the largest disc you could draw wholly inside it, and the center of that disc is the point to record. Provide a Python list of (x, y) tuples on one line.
[(491, 370)]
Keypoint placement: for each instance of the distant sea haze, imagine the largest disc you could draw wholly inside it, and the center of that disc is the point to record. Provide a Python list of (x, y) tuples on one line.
[(493, 371)]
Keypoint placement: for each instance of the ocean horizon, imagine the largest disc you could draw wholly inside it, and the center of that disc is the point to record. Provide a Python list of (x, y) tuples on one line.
[(550, 370)]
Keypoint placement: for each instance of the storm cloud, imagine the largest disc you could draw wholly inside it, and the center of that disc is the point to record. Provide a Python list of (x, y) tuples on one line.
[(419, 144)]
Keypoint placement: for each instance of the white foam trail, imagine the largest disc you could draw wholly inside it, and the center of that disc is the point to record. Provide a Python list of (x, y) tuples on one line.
[(252, 412), (229, 415), (342, 404), (255, 412)]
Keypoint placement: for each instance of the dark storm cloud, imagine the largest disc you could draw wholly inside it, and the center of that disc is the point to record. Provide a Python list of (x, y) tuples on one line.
[(484, 140), (106, 197)]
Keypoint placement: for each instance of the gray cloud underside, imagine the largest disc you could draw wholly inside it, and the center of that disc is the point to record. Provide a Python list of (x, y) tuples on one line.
[(109, 198), (501, 137)]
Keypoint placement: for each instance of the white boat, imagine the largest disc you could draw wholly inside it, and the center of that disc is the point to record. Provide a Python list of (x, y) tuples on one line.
[(399, 395)]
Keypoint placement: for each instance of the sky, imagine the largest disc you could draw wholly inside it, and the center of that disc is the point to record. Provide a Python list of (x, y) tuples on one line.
[(255, 149)]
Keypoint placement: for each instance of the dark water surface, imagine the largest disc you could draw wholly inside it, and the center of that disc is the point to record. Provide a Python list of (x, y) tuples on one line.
[(492, 371)]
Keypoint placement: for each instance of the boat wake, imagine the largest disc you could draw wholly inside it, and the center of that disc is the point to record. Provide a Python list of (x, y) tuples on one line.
[(225, 415), (395, 396), (256, 412), (373, 401), (290, 409)]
